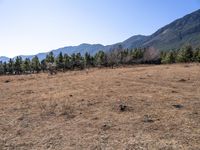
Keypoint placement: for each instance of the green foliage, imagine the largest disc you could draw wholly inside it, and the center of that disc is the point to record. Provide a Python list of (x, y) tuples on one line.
[(11, 66), (185, 54), (115, 57), (88, 60), (26, 67), (1, 68), (76, 61), (43, 65), (5, 67), (123, 57), (50, 58), (67, 62), (196, 56), (137, 53), (60, 61), (18, 65), (35, 64), (100, 59), (79, 61), (168, 58)]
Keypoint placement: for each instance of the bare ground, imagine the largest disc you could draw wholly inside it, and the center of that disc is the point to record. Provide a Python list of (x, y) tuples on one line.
[(139, 107)]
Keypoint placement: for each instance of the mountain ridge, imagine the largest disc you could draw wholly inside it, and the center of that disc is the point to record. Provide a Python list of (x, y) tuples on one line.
[(185, 30)]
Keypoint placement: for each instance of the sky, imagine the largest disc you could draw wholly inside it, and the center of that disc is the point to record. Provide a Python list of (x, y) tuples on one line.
[(33, 26)]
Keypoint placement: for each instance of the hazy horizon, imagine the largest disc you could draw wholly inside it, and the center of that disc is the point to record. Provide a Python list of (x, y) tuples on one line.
[(35, 26)]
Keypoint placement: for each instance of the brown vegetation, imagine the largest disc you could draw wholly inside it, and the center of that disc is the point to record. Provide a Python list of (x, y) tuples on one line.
[(140, 107)]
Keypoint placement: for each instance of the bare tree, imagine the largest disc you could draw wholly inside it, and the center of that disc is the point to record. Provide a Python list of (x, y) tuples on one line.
[(151, 55), (51, 67)]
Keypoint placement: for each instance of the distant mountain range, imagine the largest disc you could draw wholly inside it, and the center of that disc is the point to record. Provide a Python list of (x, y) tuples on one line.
[(182, 31)]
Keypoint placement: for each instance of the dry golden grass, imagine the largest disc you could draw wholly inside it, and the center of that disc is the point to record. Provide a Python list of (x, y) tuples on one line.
[(139, 107)]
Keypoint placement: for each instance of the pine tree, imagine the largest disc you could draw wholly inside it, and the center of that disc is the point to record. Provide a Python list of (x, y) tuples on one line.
[(79, 61), (11, 66), (18, 65), (60, 61), (5, 67), (100, 59), (1, 68), (43, 65), (185, 54), (88, 60), (169, 58), (163, 55), (196, 56), (35, 64), (27, 65), (67, 62), (73, 61), (50, 58), (188, 53)]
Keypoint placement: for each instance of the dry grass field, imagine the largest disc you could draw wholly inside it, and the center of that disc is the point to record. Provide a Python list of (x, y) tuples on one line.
[(139, 107)]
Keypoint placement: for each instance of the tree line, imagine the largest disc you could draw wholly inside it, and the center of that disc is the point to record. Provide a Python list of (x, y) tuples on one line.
[(184, 55), (115, 57)]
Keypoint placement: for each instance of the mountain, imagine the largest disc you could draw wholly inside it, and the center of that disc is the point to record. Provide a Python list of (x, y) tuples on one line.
[(4, 59), (134, 41), (83, 48), (182, 31)]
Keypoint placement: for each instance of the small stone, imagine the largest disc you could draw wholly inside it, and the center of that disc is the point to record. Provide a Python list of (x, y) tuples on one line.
[(147, 119), (122, 107), (178, 106), (7, 81)]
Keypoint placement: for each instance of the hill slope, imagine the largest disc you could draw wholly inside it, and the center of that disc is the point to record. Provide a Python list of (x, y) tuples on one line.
[(182, 31)]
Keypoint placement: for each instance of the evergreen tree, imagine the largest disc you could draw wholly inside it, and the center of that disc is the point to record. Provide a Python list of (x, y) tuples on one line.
[(73, 61), (169, 58), (5, 67), (79, 61), (27, 65), (196, 56), (100, 59), (88, 60), (11, 66), (137, 54), (185, 54), (35, 64), (67, 62), (163, 55), (1, 68), (18, 65), (60, 61), (50, 58), (43, 65)]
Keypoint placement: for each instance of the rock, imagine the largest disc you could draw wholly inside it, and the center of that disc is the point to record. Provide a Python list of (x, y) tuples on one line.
[(7, 81), (148, 119), (122, 107), (178, 106), (182, 80)]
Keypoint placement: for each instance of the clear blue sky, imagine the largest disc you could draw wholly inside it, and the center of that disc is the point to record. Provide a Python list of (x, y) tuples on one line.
[(32, 26)]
